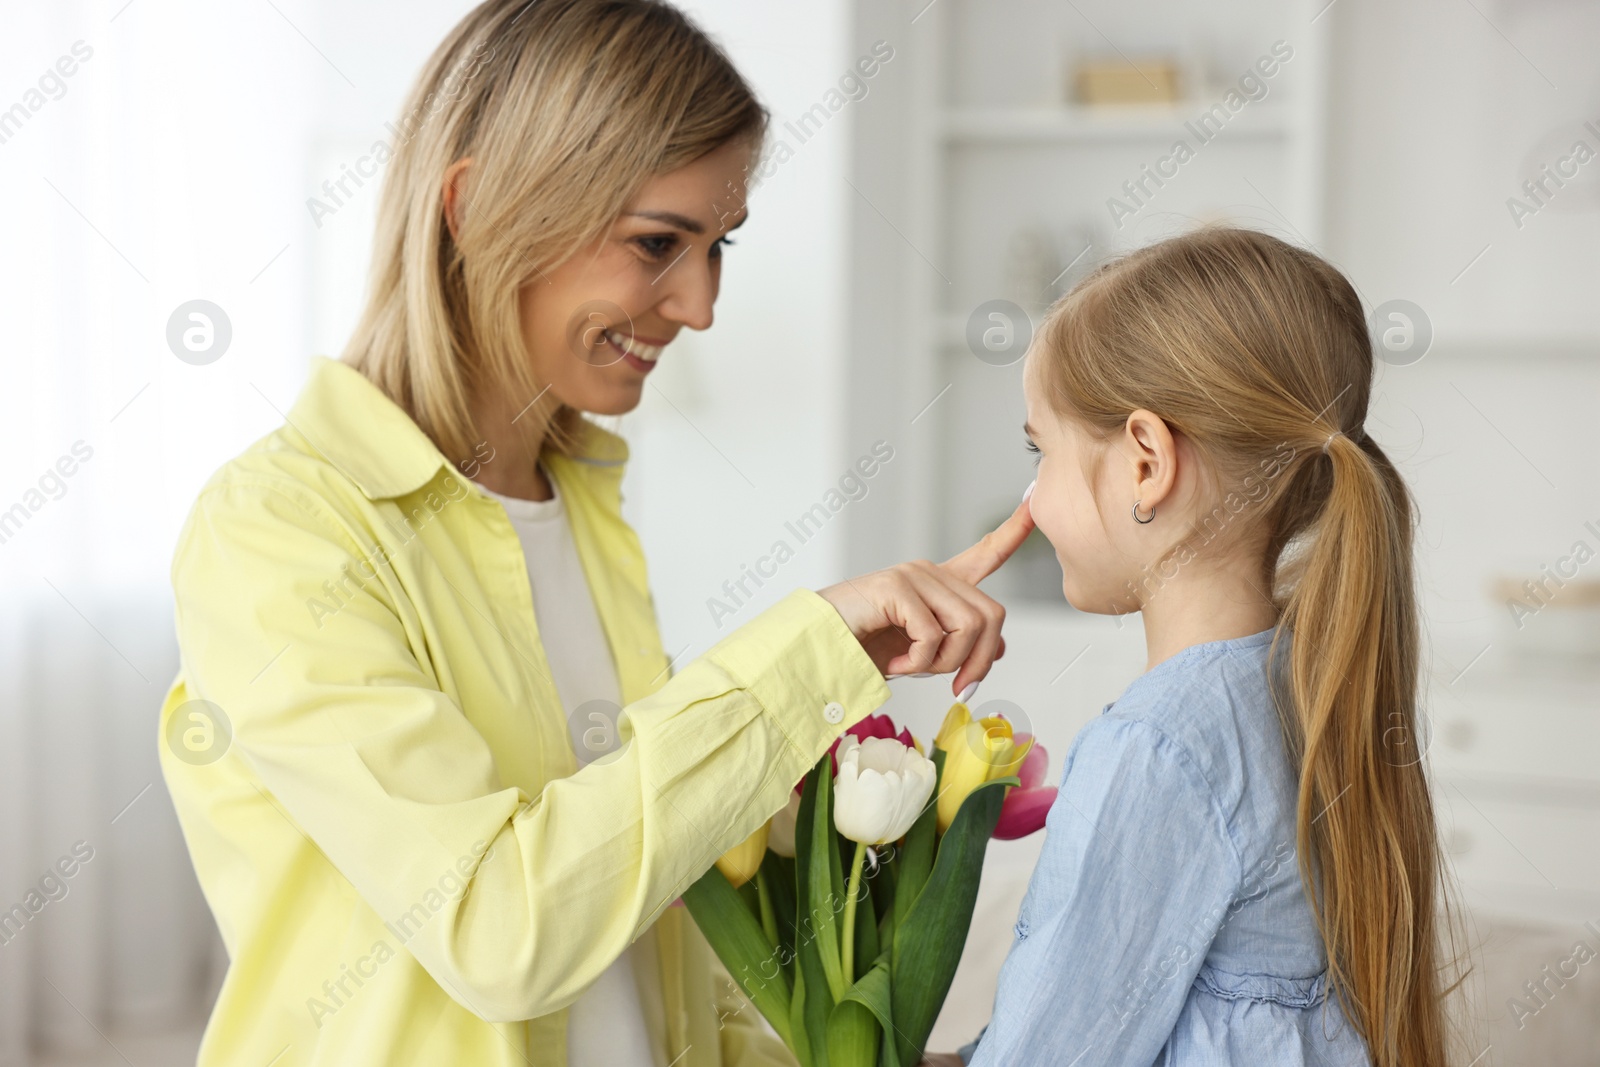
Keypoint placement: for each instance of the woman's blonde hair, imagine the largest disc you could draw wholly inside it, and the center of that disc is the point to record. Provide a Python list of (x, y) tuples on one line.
[(565, 107), (1253, 348)]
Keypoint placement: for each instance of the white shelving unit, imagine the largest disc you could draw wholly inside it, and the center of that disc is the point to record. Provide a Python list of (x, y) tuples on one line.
[(985, 163), (976, 142), (1085, 124)]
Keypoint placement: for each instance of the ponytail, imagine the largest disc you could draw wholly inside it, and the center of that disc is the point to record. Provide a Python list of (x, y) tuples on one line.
[(1365, 821)]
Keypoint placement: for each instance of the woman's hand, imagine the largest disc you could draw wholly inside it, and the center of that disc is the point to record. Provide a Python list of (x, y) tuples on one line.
[(923, 617), (940, 1059)]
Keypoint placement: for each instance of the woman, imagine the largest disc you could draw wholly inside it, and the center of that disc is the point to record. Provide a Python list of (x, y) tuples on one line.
[(368, 743)]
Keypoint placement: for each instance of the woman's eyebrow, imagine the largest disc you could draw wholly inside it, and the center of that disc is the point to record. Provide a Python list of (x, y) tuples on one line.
[(671, 218), (682, 222)]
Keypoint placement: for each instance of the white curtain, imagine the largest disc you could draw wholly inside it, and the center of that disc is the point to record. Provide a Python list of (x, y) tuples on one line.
[(151, 153), (124, 944)]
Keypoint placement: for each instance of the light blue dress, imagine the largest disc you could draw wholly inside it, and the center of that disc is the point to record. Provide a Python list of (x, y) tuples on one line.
[(1166, 922)]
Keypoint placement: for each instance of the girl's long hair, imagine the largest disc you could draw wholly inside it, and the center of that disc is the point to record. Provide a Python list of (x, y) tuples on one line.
[(565, 107), (1254, 348)]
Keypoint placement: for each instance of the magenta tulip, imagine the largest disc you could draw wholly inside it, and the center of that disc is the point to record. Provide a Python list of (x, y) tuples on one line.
[(1025, 807)]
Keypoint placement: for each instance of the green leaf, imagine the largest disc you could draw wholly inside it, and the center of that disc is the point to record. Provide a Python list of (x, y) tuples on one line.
[(818, 1004), (873, 991), (857, 1025), (747, 893), (854, 1036), (739, 942), (779, 873), (883, 901), (883, 880), (811, 1013), (842, 847), (915, 859), (800, 1043), (824, 874), (929, 938)]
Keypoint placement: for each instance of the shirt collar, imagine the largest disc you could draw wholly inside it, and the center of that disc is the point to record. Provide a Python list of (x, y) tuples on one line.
[(373, 442)]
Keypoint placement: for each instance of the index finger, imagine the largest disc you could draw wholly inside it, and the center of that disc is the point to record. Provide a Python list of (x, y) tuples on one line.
[(974, 564)]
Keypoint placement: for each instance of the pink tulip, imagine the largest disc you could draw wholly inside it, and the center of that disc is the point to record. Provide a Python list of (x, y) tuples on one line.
[(1024, 810)]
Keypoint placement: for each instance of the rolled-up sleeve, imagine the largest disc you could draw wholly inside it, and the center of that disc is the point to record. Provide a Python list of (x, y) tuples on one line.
[(341, 719), (1133, 883)]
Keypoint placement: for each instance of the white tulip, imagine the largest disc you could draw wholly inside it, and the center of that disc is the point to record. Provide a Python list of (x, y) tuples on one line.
[(781, 838), (881, 788)]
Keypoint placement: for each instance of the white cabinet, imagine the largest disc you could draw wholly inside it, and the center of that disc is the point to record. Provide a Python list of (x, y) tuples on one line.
[(1515, 755)]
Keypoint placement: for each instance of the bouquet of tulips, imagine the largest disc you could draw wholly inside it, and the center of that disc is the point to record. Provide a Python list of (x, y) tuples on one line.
[(844, 917)]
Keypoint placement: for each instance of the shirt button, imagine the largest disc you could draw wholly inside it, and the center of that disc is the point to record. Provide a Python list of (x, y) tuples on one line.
[(833, 711)]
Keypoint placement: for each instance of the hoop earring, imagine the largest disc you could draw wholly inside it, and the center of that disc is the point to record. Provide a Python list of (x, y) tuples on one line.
[(1136, 517)]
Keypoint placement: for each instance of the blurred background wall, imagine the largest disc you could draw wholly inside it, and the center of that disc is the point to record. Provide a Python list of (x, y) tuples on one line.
[(979, 164)]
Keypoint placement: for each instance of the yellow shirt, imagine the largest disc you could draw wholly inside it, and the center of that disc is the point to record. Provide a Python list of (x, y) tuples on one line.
[(379, 791)]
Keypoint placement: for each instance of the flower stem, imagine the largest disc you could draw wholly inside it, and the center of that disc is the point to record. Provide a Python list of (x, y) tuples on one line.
[(848, 949), (769, 919)]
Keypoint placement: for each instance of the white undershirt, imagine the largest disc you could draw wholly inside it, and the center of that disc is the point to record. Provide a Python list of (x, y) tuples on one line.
[(606, 1024)]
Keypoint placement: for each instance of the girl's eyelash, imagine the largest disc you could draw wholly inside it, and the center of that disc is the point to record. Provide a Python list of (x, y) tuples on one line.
[(1031, 447)]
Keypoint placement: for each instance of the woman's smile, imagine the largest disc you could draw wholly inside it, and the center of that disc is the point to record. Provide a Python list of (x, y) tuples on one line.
[(637, 353)]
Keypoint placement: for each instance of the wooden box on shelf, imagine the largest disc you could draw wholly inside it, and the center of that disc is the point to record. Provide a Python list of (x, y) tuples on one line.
[(1119, 81)]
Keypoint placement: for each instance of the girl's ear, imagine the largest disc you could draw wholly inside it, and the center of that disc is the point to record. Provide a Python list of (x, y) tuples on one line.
[(1149, 443)]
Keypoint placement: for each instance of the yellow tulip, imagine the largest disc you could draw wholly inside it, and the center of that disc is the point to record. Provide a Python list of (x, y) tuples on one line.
[(974, 753), (740, 863), (955, 720)]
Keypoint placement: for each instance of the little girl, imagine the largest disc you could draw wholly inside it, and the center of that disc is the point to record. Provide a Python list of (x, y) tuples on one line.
[(1197, 410)]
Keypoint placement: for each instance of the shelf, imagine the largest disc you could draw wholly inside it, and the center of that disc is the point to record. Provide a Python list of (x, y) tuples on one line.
[(1078, 123), (1516, 347), (1544, 790)]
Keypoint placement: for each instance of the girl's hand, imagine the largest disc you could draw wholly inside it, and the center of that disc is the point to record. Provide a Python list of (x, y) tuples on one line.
[(922, 617)]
